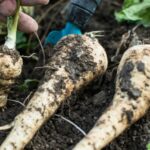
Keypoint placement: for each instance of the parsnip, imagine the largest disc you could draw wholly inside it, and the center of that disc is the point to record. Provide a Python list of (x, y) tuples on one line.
[(131, 100), (10, 60), (78, 60)]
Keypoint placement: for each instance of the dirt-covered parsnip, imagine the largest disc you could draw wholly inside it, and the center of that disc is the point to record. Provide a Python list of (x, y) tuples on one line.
[(78, 60), (130, 103), (10, 60)]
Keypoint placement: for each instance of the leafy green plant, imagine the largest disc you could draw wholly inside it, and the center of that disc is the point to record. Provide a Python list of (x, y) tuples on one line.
[(135, 11)]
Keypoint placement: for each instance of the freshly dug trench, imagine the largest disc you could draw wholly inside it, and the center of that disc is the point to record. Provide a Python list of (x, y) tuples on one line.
[(131, 100), (77, 61), (10, 69)]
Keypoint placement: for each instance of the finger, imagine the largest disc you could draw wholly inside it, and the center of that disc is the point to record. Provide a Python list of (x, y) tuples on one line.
[(7, 7), (34, 2), (27, 24)]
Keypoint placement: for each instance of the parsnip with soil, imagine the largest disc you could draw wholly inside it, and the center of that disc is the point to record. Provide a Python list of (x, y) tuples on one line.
[(131, 100), (10, 60), (78, 59)]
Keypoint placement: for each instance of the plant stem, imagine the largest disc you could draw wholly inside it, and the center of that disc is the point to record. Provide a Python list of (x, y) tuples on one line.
[(12, 23)]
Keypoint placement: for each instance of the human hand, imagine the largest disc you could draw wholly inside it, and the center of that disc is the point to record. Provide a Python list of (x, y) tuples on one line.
[(26, 23)]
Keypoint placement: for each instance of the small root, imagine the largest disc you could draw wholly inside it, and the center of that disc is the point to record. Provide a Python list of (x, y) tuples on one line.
[(11, 100), (42, 48), (43, 67), (95, 34), (129, 38), (7, 126), (72, 123), (27, 98), (33, 55)]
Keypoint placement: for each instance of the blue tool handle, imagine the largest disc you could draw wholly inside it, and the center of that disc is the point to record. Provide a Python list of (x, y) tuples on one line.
[(81, 11)]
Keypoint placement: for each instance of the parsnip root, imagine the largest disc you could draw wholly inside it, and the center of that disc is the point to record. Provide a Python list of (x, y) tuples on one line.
[(77, 61), (10, 68), (131, 100), (10, 60)]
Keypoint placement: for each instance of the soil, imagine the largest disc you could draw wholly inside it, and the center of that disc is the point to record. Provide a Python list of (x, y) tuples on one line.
[(85, 107)]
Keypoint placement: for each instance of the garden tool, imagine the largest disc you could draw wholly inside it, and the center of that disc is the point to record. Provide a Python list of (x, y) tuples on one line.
[(80, 11)]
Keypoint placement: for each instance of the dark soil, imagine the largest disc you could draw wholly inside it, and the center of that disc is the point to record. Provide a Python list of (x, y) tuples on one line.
[(85, 107)]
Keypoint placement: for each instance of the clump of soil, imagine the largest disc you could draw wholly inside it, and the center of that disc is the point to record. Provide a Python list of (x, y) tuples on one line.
[(85, 107)]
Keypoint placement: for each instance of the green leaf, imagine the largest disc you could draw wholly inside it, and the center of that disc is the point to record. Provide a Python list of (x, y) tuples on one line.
[(22, 41), (135, 11), (148, 146), (128, 3), (21, 38), (28, 10), (3, 28), (27, 84)]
